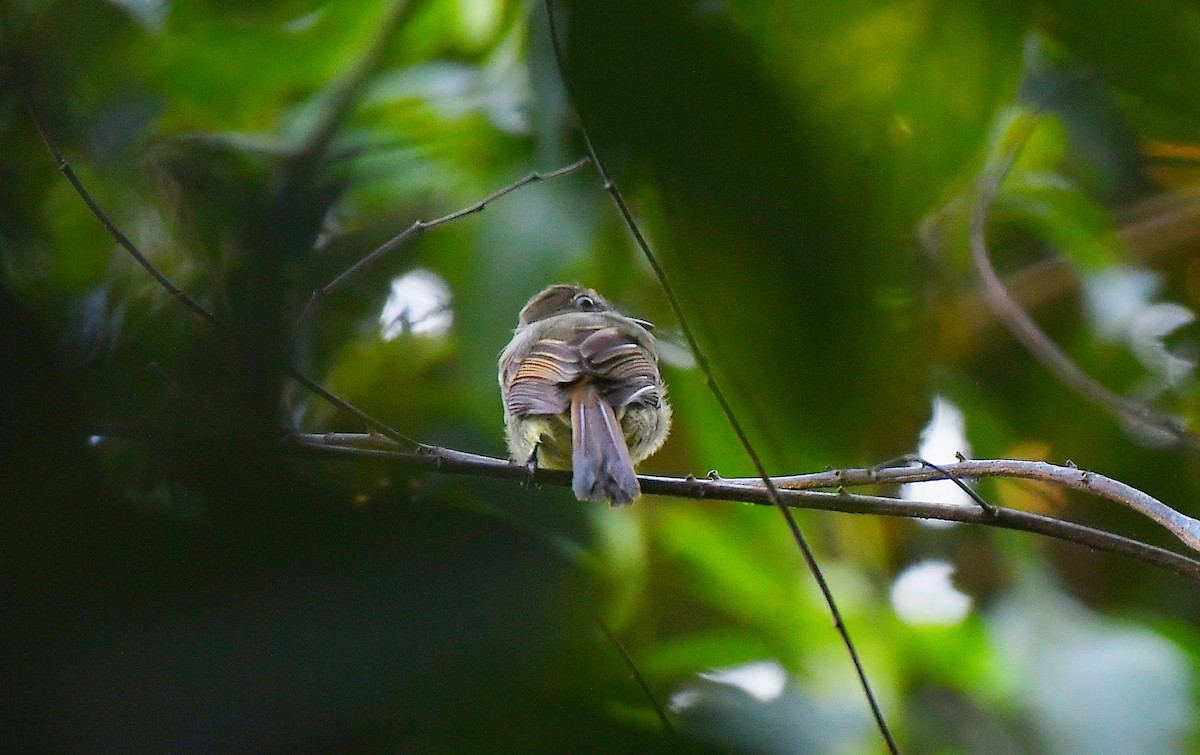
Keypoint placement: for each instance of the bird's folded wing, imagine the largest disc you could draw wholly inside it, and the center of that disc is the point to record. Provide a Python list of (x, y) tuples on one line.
[(537, 384), (627, 370)]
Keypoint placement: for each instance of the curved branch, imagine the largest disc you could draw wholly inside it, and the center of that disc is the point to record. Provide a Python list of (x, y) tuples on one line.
[(1023, 327), (356, 447)]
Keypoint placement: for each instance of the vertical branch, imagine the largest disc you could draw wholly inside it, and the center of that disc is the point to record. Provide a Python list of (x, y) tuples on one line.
[(706, 370)]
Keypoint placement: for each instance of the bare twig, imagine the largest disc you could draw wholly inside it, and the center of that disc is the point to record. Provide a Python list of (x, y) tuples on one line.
[(714, 387), (420, 226), (796, 491), (1022, 326), (65, 168)]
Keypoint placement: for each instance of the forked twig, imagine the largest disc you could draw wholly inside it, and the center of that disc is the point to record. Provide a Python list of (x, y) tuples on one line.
[(941, 470), (706, 370), (1182, 526)]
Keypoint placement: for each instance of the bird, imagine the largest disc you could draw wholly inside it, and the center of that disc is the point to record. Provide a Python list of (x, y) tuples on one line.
[(582, 390)]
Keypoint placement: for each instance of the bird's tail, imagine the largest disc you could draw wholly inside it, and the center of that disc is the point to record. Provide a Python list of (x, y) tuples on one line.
[(601, 467)]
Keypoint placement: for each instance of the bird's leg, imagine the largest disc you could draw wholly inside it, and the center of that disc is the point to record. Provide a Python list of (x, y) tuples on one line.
[(531, 466)]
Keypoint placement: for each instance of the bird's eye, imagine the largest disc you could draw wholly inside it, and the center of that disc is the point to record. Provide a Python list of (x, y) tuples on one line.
[(585, 302)]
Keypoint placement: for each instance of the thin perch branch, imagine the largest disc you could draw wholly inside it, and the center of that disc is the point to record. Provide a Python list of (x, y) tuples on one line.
[(795, 490)]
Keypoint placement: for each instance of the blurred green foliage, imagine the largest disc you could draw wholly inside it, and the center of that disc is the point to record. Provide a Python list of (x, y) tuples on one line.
[(174, 582)]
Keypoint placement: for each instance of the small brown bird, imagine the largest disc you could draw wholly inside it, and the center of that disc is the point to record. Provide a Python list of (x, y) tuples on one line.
[(582, 391)]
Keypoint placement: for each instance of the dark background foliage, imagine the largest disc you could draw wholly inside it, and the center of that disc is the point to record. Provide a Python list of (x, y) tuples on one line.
[(173, 580)]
